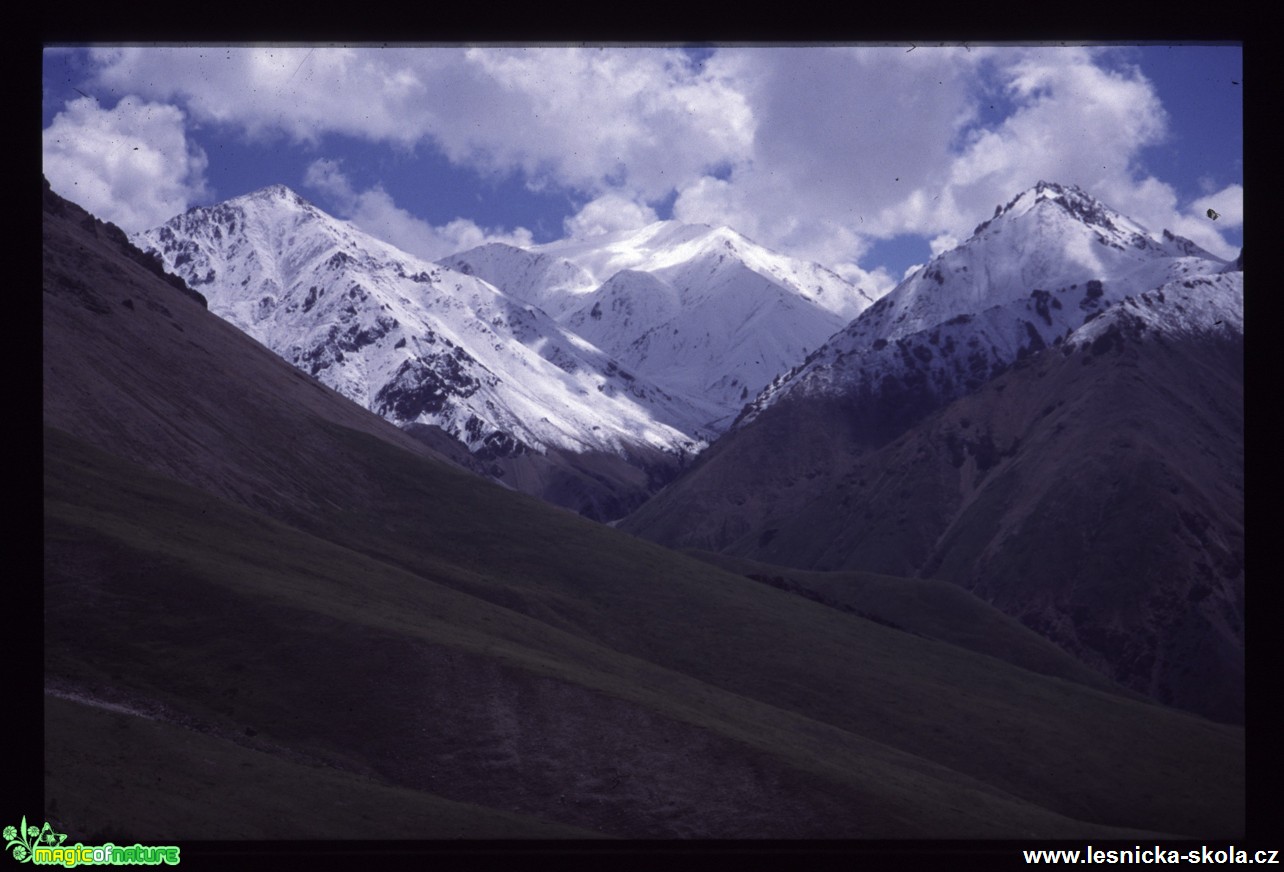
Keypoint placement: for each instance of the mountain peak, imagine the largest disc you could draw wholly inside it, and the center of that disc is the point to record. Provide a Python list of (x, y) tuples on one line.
[(1071, 202), (1074, 200), (1051, 188), (277, 193), (277, 190), (273, 195)]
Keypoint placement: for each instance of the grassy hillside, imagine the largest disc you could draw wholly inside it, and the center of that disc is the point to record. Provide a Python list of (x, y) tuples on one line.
[(612, 684), (117, 777), (925, 606)]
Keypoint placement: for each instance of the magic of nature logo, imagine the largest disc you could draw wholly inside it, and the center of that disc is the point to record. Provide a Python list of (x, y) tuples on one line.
[(43, 846)]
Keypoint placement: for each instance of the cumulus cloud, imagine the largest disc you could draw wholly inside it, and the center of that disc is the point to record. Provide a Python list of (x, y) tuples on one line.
[(875, 283), (745, 206), (131, 165), (326, 177), (847, 137), (943, 243), (835, 242), (586, 118), (1195, 224), (594, 119), (608, 213), (297, 92), (815, 151), (1074, 121), (709, 200), (859, 144), (848, 131), (374, 211)]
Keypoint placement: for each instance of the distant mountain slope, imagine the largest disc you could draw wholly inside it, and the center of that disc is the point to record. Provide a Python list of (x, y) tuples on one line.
[(1090, 485), (420, 344), (701, 311), (552, 283), (287, 601)]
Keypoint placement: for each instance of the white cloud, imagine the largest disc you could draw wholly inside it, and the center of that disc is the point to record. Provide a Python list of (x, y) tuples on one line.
[(294, 91), (796, 231), (608, 213), (1074, 122), (815, 151), (943, 243), (595, 119), (324, 175), (824, 159), (847, 132), (374, 211), (867, 143), (131, 165), (874, 283), (708, 200), (1156, 205), (834, 243), (587, 118), (1195, 225), (463, 233)]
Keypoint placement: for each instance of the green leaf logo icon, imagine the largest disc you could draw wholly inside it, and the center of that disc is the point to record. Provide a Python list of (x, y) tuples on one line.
[(22, 840)]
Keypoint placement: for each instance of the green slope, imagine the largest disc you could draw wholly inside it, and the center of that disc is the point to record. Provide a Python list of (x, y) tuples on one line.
[(808, 721), (117, 777), (926, 606)]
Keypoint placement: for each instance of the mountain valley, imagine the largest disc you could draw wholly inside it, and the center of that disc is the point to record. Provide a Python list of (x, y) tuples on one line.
[(271, 612)]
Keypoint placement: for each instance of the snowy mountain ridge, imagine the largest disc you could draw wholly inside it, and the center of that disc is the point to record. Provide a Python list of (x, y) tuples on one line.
[(702, 311), (652, 340), (412, 340), (1043, 267), (669, 245), (553, 283)]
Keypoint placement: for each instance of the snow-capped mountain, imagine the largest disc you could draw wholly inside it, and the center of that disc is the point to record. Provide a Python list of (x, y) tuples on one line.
[(681, 251), (702, 311), (1047, 263), (552, 283), (412, 340)]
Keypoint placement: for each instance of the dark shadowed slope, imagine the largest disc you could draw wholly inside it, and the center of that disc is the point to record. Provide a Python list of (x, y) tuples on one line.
[(923, 606), (1096, 493), (292, 605), (146, 371)]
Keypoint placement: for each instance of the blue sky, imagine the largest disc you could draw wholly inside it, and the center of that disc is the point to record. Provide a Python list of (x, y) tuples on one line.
[(864, 158)]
